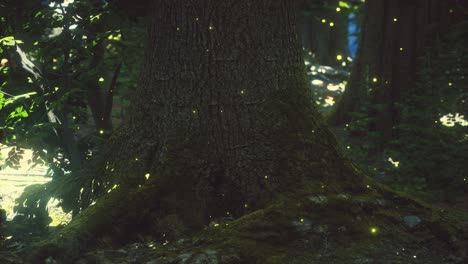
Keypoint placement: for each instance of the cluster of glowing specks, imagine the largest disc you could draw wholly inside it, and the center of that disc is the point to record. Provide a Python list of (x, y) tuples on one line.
[(373, 230), (450, 120), (115, 37), (394, 162)]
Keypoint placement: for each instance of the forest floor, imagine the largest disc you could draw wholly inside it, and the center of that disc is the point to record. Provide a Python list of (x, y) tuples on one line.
[(13, 183)]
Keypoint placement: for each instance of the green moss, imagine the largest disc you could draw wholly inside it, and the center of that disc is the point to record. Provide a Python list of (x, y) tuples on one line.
[(297, 229)]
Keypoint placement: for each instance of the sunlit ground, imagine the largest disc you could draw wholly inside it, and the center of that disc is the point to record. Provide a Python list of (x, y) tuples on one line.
[(13, 182)]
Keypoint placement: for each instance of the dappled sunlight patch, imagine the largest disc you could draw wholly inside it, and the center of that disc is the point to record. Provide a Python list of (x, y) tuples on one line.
[(14, 181), (336, 87), (327, 82), (59, 217), (317, 82), (329, 101), (450, 120)]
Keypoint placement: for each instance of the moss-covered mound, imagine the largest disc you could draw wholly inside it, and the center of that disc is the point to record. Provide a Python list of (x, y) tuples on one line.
[(308, 226)]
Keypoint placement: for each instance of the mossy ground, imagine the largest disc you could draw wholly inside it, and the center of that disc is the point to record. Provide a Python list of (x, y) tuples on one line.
[(337, 228), (306, 226)]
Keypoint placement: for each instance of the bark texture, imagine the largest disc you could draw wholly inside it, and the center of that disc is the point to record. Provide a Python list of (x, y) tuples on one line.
[(224, 106), (318, 37), (393, 37)]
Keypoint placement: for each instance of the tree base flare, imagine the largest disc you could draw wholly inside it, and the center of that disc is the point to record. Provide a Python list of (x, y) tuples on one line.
[(307, 226)]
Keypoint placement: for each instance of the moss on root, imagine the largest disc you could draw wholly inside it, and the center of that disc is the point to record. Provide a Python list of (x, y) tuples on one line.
[(307, 226), (338, 228)]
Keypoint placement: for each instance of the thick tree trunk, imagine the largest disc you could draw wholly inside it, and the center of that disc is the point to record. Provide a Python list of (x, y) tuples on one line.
[(224, 85), (223, 126)]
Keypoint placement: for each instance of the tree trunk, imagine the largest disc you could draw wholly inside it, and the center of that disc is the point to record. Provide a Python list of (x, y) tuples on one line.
[(393, 37), (324, 41), (223, 126), (229, 92)]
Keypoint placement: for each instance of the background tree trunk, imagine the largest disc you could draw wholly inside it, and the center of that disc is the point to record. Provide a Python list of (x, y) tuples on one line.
[(393, 37), (318, 37)]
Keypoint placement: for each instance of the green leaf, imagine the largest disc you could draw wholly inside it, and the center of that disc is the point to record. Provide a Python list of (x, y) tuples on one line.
[(343, 4), (14, 98), (10, 41)]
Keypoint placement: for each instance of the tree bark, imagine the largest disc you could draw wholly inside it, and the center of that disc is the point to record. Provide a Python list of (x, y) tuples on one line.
[(230, 88), (393, 37), (324, 41)]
